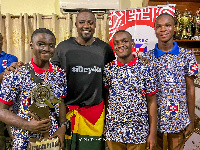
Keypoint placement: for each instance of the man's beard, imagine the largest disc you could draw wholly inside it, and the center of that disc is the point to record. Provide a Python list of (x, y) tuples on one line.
[(87, 38)]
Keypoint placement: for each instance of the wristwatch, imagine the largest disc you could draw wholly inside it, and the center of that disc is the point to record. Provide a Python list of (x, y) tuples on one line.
[(67, 123)]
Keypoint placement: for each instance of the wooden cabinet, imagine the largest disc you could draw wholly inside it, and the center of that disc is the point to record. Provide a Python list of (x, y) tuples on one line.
[(190, 44), (181, 5)]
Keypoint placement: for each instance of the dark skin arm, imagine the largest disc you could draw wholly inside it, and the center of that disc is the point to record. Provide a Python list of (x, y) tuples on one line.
[(1, 77), (190, 92), (152, 111), (12, 119), (60, 132)]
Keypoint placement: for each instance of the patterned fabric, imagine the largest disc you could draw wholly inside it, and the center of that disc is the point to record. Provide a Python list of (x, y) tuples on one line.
[(16, 91), (6, 60), (171, 69), (86, 127), (84, 120), (127, 117)]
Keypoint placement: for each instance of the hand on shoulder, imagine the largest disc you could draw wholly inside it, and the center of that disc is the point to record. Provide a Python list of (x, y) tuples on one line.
[(145, 60), (13, 67)]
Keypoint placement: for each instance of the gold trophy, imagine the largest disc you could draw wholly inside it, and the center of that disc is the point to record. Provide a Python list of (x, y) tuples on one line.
[(43, 97), (197, 23), (177, 35), (189, 33), (184, 20)]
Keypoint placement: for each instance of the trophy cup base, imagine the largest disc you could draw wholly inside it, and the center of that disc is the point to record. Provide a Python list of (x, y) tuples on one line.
[(177, 37), (185, 37), (195, 38), (48, 144)]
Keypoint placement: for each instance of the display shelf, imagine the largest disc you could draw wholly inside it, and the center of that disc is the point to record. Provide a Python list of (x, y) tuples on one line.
[(181, 5), (188, 43)]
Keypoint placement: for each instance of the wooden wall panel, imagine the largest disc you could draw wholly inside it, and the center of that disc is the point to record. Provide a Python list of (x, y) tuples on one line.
[(181, 5)]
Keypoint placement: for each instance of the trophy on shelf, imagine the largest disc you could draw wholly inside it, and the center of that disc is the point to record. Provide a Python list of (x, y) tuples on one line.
[(190, 25), (43, 97), (177, 13), (197, 23), (177, 35), (184, 20)]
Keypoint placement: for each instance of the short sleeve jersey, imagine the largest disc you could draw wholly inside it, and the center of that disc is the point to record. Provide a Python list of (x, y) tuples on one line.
[(84, 68), (127, 117), (171, 68), (6, 60), (16, 91)]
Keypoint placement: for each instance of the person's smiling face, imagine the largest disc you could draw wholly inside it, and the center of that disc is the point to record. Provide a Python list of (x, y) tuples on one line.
[(164, 28), (85, 24), (43, 46), (123, 44)]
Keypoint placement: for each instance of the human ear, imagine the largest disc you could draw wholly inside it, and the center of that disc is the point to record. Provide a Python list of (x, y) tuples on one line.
[(133, 44), (31, 45), (76, 24)]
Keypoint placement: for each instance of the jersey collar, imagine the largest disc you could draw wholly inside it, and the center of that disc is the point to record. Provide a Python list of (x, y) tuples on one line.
[(174, 51), (130, 63), (39, 70)]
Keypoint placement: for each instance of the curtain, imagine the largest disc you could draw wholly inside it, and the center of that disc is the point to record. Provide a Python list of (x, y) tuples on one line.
[(17, 30)]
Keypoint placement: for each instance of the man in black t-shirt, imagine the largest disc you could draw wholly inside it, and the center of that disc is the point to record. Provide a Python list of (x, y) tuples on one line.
[(83, 59)]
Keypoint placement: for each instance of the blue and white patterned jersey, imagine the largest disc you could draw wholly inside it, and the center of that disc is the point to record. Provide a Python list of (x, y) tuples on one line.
[(6, 60), (171, 68), (127, 117), (16, 91)]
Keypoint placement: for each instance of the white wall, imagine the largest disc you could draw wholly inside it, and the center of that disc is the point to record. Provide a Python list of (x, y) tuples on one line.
[(47, 7)]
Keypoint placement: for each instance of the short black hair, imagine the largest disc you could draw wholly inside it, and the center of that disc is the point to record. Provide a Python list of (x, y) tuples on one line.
[(123, 31), (42, 30), (85, 10), (166, 14)]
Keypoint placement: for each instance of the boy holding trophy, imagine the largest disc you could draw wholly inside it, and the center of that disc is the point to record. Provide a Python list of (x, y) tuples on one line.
[(36, 93)]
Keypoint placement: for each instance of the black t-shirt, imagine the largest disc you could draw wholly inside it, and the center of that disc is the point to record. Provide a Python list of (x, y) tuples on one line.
[(84, 67)]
